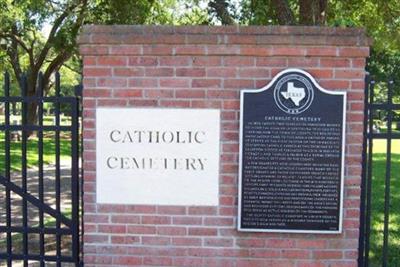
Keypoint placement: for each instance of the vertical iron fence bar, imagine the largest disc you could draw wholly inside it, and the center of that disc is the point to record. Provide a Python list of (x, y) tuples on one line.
[(57, 148), (78, 94), (369, 172), (7, 164), (40, 170), (24, 169), (75, 181), (76, 173), (387, 178), (361, 242)]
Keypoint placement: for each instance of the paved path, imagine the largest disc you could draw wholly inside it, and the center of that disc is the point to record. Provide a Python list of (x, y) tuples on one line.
[(49, 181)]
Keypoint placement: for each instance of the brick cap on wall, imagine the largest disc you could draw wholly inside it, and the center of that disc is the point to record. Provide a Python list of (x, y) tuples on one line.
[(225, 35)]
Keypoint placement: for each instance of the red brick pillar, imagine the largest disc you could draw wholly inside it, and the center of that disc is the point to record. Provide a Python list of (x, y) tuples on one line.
[(206, 67)]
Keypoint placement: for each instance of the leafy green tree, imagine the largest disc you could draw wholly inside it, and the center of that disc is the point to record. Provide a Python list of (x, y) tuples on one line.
[(178, 12), (282, 12), (381, 20), (379, 17), (223, 10), (24, 48), (119, 11), (27, 50)]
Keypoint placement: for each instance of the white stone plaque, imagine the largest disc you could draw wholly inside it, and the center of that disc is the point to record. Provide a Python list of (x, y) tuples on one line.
[(157, 156)]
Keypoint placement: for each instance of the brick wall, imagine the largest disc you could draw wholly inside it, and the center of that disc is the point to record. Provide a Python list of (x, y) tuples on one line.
[(205, 67)]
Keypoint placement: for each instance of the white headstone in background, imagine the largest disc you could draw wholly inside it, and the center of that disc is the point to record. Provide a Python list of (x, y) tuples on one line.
[(157, 156)]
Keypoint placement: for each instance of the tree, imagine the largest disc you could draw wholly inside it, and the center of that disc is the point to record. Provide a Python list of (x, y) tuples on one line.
[(381, 20), (282, 12), (24, 48), (28, 51), (220, 10), (178, 12), (379, 17), (119, 11)]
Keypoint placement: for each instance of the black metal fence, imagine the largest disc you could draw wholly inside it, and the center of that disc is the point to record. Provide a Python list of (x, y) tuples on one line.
[(40, 177), (379, 243)]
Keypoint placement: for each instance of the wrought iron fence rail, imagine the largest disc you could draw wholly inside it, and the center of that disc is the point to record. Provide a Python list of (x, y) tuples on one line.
[(64, 226), (36, 230), (367, 167), (32, 127), (38, 257)]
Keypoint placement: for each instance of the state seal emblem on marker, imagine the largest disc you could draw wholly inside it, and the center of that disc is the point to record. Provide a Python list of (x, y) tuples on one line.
[(293, 94)]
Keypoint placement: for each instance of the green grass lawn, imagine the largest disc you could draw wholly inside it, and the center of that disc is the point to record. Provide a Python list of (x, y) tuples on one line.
[(32, 152), (32, 145), (378, 200), (394, 130), (47, 120), (32, 161)]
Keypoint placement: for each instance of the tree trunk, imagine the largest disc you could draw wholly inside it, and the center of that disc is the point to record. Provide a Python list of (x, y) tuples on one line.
[(220, 8), (312, 12), (323, 5), (307, 12), (31, 117), (283, 12)]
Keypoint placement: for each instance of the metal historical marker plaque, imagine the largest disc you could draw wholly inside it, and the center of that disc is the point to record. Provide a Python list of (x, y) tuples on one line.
[(291, 156)]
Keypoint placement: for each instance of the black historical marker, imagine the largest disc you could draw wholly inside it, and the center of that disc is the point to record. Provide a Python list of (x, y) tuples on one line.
[(291, 156)]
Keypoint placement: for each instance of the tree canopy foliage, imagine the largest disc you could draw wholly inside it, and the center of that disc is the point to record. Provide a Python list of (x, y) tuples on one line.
[(28, 50), (25, 47), (381, 19)]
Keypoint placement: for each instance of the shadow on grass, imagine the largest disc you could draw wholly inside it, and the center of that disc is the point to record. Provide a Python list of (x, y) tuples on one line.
[(34, 239), (49, 152), (33, 212), (377, 212)]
